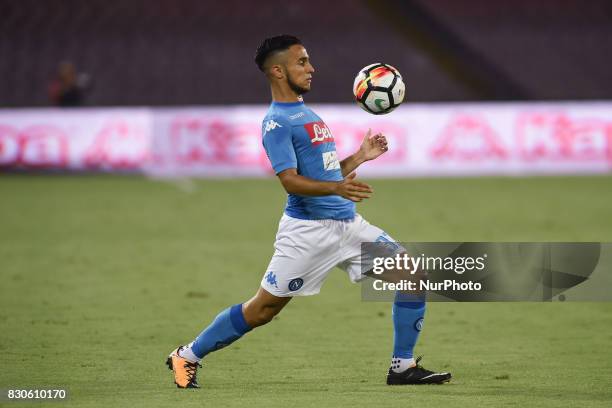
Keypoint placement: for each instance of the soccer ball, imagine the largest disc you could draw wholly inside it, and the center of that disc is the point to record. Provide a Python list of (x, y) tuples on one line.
[(378, 88)]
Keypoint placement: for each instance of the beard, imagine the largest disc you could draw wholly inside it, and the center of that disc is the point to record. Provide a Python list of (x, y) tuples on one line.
[(295, 87)]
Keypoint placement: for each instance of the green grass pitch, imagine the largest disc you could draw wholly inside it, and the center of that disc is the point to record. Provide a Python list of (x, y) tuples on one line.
[(103, 275)]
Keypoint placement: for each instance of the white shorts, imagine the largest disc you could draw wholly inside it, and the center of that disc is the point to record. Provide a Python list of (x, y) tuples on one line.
[(307, 250)]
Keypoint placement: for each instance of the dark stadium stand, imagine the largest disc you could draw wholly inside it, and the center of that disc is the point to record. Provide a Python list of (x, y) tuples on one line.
[(171, 52)]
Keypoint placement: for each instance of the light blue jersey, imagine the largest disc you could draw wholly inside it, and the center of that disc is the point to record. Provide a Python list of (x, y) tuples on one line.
[(295, 137)]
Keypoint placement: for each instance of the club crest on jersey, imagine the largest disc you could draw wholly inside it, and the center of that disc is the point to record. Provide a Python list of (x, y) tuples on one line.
[(319, 133)]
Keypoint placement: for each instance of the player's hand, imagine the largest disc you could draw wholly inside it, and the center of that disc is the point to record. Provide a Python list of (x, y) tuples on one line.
[(373, 145), (353, 190)]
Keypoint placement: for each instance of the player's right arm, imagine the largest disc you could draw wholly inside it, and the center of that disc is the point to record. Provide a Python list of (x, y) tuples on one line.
[(277, 140), (348, 188)]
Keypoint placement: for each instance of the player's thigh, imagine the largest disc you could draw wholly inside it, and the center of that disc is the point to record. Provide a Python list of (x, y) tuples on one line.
[(356, 262), (305, 252)]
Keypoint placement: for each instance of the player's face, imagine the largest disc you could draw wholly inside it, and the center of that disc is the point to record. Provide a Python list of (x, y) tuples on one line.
[(299, 69)]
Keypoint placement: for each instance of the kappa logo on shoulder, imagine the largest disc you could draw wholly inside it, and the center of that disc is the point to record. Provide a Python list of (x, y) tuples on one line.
[(271, 125), (319, 133)]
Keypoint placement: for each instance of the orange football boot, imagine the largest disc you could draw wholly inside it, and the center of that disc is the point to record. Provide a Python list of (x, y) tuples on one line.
[(184, 370)]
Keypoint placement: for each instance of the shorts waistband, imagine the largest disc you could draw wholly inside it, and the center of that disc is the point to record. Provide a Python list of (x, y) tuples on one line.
[(327, 221)]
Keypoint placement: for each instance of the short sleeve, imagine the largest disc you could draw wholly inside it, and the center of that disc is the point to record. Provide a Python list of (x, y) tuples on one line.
[(277, 141)]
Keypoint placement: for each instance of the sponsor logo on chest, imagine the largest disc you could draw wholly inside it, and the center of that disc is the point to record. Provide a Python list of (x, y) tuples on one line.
[(319, 133)]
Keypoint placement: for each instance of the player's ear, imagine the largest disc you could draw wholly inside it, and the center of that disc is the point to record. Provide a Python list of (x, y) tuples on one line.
[(277, 71)]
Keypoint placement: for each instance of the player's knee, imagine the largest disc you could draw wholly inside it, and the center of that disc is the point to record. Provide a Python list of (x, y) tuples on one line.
[(266, 317), (262, 315)]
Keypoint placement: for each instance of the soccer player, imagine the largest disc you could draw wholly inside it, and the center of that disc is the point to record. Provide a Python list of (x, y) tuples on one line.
[(319, 229)]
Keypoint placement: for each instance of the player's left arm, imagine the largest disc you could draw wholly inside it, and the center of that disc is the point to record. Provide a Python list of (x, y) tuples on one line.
[(371, 147)]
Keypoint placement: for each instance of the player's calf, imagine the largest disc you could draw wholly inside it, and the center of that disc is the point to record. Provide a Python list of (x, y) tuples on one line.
[(229, 325)]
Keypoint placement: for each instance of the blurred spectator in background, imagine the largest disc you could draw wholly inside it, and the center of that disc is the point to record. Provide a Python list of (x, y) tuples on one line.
[(68, 88)]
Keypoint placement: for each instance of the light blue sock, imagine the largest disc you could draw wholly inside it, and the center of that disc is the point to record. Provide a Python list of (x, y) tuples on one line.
[(407, 323), (228, 326)]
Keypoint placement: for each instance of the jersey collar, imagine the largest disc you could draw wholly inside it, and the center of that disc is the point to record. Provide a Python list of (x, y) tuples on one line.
[(287, 104)]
